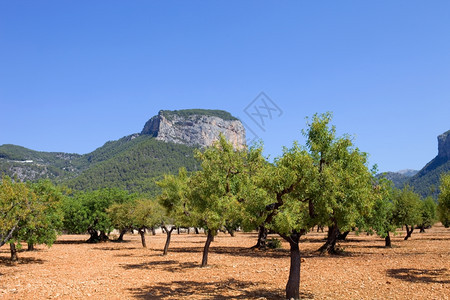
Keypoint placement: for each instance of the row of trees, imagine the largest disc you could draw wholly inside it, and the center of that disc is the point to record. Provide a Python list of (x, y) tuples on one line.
[(326, 182), (29, 213)]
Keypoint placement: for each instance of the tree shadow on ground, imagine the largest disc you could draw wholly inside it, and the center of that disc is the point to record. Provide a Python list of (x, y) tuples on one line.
[(149, 265), (114, 248), (420, 275), (228, 289), (236, 251), (431, 238), (22, 261), (70, 242)]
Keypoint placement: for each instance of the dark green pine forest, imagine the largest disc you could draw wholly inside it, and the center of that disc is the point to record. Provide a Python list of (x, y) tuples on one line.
[(133, 163)]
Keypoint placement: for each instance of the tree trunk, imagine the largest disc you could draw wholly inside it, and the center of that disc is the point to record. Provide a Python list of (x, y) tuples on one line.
[(330, 245), (103, 237), (94, 238), (178, 230), (13, 249), (230, 231), (387, 241), (189, 230), (122, 232), (422, 229), (30, 247), (153, 231), (293, 284), (408, 232), (142, 233), (262, 238), (168, 234), (343, 236), (196, 230), (209, 239)]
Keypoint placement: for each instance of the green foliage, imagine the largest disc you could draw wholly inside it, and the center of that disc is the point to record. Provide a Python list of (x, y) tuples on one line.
[(407, 207), (428, 212), (174, 198), (121, 215), (197, 112), (381, 217), (29, 213), (88, 211), (443, 208), (15, 206), (45, 220), (215, 189), (147, 214), (325, 183), (274, 243)]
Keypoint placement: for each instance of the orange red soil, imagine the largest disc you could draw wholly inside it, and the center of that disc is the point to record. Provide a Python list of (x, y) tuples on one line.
[(71, 269)]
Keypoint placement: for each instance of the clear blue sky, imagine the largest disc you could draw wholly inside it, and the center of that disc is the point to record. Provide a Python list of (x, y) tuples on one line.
[(75, 74)]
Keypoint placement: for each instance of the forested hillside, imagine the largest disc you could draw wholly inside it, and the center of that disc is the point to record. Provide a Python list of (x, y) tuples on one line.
[(140, 162)]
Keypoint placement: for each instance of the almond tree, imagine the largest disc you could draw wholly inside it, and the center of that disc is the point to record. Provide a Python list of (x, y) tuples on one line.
[(146, 214), (44, 222), (88, 211), (407, 212), (174, 199), (15, 208), (326, 182), (214, 192)]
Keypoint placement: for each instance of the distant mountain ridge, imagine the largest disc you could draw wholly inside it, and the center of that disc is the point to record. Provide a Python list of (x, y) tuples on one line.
[(399, 178), (426, 181), (133, 162)]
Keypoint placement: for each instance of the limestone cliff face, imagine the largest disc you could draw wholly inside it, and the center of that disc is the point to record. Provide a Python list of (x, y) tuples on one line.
[(444, 145), (196, 127)]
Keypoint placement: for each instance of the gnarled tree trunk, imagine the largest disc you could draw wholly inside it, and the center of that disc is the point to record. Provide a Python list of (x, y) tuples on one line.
[(209, 239), (103, 237), (13, 249), (262, 238), (343, 236), (122, 233), (94, 238), (330, 245), (408, 231)]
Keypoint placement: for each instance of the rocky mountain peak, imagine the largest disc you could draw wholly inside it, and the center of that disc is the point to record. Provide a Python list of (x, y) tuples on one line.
[(444, 145), (195, 127)]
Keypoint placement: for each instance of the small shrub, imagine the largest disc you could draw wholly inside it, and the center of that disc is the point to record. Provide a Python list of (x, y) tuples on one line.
[(274, 243)]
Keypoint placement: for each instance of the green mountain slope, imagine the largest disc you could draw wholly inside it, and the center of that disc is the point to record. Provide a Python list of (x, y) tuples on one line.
[(134, 165), (31, 165), (426, 182)]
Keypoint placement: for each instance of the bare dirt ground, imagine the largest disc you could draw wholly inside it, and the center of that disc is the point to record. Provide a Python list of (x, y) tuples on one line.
[(415, 269)]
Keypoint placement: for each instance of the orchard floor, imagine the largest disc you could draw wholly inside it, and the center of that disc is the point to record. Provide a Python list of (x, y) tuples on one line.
[(71, 269)]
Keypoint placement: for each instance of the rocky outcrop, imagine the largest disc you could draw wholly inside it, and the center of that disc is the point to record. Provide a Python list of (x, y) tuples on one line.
[(196, 127), (444, 145)]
